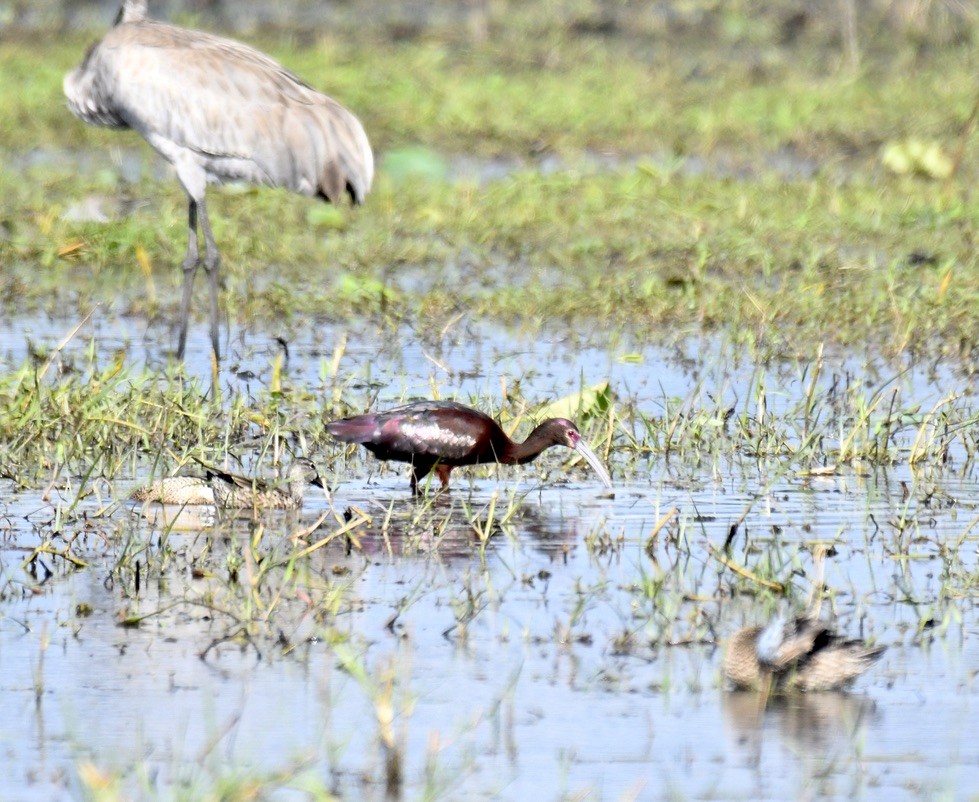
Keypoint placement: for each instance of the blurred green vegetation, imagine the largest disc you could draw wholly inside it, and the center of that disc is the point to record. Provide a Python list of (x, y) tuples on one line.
[(715, 166)]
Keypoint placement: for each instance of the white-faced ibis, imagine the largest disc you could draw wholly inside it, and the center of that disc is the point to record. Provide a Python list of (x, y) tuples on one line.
[(232, 490), (177, 490), (800, 654), (218, 111), (442, 435)]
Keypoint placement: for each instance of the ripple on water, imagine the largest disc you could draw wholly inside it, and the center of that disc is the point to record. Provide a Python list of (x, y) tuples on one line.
[(574, 654)]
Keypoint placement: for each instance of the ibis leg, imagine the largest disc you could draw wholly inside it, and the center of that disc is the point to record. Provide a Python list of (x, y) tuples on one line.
[(442, 472), (190, 270), (419, 470)]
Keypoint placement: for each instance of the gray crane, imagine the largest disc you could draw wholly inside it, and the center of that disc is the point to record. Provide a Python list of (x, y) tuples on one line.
[(218, 111)]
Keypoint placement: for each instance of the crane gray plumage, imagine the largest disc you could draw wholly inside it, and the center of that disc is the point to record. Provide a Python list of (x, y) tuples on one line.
[(218, 111)]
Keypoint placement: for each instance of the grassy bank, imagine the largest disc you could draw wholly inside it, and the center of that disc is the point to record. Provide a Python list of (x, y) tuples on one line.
[(716, 175)]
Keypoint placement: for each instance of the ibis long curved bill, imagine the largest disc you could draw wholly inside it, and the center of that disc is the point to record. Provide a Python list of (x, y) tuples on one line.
[(592, 459)]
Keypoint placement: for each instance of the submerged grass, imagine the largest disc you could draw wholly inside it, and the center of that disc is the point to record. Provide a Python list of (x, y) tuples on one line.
[(648, 190), (70, 419), (266, 596)]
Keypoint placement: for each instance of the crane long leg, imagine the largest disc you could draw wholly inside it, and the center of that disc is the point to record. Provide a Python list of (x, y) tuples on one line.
[(212, 261), (190, 264)]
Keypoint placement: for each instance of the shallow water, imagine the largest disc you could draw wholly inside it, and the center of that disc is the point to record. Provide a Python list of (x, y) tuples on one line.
[(569, 657)]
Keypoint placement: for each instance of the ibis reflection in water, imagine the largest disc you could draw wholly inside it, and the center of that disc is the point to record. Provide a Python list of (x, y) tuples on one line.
[(442, 435), (218, 111)]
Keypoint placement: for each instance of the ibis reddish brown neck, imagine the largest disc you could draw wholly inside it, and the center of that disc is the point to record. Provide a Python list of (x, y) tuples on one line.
[(552, 432)]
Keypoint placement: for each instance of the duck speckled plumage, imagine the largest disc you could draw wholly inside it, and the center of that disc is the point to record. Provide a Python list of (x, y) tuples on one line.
[(177, 490), (800, 654), (231, 490)]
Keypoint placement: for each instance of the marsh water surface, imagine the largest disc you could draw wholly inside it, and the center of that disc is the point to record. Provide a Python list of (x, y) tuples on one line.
[(527, 636)]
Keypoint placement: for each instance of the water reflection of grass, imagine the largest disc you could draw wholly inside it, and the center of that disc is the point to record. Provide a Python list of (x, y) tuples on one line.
[(745, 195), (274, 598)]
